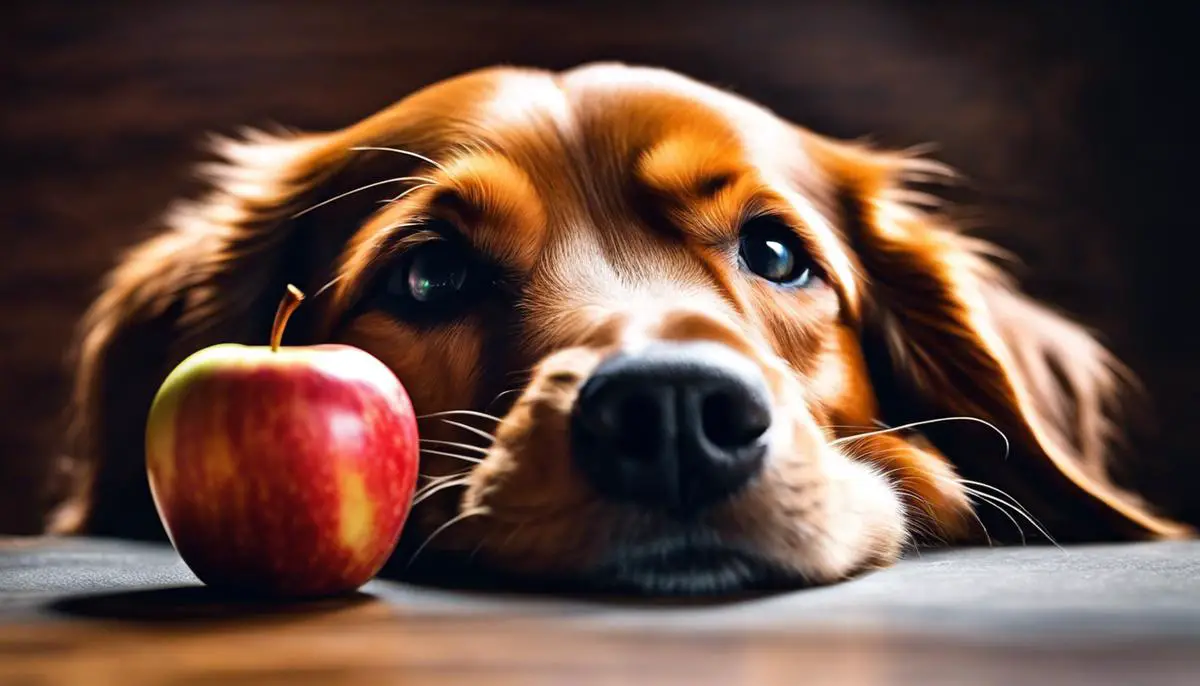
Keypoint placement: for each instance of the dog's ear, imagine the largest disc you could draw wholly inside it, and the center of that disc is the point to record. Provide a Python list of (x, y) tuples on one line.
[(213, 274), (948, 334)]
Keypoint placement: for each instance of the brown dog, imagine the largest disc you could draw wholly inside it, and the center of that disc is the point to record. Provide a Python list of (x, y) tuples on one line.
[(691, 320)]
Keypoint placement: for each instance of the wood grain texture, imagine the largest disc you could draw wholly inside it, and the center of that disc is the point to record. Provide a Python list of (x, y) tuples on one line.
[(1067, 121), (368, 644)]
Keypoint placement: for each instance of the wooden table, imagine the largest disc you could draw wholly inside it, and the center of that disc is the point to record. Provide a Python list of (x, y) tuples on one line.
[(84, 612)]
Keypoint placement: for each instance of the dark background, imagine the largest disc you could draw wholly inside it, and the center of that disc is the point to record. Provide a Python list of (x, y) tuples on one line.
[(1073, 123)]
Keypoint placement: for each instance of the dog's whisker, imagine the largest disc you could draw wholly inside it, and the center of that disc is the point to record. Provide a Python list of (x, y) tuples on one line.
[(406, 191), (398, 225), (443, 453), (996, 504), (1004, 505), (925, 422), (468, 413), (501, 394), (435, 488), (455, 444), (437, 477), (852, 426), (399, 151), (368, 186), (327, 286), (520, 374), (452, 480), (900, 481), (467, 514), (1000, 492), (975, 515), (475, 551), (918, 501), (433, 480), (468, 427), (1017, 509), (1003, 497), (986, 534), (918, 528)]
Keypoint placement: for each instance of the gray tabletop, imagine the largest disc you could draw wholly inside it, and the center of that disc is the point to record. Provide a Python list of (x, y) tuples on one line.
[(1139, 597)]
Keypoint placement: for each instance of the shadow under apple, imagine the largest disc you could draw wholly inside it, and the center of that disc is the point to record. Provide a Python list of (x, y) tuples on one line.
[(190, 604)]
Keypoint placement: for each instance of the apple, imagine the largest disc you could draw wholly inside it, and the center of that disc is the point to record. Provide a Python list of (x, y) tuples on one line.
[(282, 471)]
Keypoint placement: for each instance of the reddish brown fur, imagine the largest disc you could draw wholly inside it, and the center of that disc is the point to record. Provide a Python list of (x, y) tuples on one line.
[(615, 195)]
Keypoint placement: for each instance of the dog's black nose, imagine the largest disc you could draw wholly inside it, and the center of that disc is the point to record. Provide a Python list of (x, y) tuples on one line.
[(677, 425)]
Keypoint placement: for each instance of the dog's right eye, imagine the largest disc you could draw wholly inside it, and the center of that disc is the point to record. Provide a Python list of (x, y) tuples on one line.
[(433, 280), (434, 273)]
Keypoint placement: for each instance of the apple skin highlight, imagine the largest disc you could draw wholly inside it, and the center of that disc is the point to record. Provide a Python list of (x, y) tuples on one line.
[(283, 471)]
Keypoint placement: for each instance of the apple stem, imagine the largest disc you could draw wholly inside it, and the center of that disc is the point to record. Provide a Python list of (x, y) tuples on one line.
[(291, 300)]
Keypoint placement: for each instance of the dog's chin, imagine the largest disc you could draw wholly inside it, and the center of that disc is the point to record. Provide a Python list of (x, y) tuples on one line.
[(685, 565), (688, 566)]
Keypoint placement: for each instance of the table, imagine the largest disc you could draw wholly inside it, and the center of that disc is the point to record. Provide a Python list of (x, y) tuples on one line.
[(85, 611)]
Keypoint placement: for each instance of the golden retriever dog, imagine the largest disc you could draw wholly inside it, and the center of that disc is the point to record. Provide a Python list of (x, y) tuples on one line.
[(661, 339)]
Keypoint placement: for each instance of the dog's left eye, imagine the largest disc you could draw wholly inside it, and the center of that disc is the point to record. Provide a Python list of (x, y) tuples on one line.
[(771, 250)]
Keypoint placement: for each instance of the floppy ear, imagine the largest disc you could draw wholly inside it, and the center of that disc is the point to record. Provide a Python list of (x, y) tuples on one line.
[(947, 333), (214, 274)]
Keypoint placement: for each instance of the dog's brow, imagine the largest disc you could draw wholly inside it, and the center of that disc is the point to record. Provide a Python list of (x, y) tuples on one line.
[(496, 205), (486, 198), (688, 167)]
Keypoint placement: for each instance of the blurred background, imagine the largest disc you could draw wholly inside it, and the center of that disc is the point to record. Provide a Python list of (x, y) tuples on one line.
[(1073, 123)]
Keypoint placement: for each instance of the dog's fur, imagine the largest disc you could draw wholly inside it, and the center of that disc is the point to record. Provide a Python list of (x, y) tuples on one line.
[(611, 197)]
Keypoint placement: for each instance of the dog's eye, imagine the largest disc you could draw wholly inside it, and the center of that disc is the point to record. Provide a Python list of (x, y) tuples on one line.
[(772, 251), (435, 272)]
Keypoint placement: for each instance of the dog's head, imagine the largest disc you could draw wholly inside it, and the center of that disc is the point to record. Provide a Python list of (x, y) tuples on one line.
[(675, 327)]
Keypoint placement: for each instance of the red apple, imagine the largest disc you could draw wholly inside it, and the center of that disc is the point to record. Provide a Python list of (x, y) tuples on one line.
[(286, 471)]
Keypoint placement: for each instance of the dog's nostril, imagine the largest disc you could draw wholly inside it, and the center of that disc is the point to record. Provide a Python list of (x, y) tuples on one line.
[(731, 420)]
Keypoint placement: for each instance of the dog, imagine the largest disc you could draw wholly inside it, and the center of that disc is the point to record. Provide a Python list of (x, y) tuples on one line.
[(661, 339)]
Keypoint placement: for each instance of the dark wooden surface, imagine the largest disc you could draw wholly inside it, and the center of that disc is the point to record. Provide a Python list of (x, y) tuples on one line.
[(1071, 120), (100, 612), (369, 644)]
